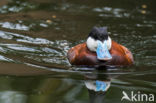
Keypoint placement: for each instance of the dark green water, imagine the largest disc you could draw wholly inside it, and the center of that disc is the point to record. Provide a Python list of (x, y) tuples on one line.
[(35, 36)]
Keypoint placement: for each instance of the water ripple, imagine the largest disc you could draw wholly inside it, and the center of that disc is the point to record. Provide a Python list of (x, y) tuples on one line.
[(52, 52), (16, 26)]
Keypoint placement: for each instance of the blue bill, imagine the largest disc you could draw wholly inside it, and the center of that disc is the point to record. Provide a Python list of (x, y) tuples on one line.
[(101, 86), (102, 51)]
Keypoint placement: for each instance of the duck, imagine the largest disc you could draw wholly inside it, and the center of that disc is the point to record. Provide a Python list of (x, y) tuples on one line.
[(99, 50)]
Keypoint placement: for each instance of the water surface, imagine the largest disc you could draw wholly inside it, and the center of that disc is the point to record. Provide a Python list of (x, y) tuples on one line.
[(35, 36)]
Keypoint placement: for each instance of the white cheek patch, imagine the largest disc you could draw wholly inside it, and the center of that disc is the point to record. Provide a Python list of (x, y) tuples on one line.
[(109, 43), (91, 44)]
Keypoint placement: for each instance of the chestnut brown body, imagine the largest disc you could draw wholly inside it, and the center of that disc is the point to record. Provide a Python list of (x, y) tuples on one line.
[(81, 55)]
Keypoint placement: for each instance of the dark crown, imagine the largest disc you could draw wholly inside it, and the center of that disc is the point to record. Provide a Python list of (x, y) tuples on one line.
[(99, 33)]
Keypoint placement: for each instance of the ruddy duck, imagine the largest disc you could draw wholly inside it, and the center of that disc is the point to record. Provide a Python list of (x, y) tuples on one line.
[(99, 49)]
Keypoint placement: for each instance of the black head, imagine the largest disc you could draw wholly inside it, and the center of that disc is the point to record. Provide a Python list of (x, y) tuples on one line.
[(99, 33)]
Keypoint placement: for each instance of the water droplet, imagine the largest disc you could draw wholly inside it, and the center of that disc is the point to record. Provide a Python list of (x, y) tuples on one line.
[(144, 6), (143, 11), (54, 16), (49, 21)]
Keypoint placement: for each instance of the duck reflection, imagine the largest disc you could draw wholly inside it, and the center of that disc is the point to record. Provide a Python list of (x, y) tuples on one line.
[(97, 90), (97, 85)]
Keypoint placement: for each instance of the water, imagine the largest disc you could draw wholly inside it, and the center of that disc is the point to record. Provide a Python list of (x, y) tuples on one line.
[(36, 35)]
